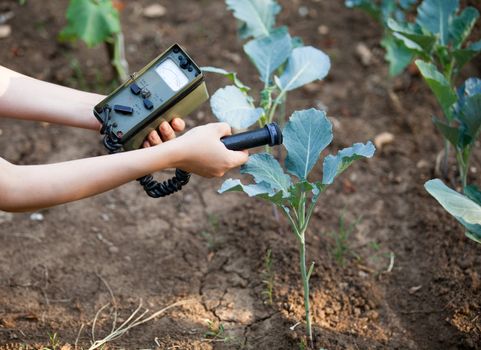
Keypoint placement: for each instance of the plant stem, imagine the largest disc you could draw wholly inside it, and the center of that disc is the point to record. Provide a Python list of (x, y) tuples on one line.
[(305, 282)]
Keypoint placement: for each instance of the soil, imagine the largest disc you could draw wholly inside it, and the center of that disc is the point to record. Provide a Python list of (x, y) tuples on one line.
[(409, 280)]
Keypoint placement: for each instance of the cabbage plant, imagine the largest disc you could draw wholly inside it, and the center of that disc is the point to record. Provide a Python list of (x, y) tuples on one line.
[(306, 135), (282, 61)]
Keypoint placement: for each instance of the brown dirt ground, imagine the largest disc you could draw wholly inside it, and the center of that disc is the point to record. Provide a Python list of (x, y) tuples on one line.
[(209, 249)]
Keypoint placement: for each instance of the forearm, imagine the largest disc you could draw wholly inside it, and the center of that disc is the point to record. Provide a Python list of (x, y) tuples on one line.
[(26, 188), (22, 97)]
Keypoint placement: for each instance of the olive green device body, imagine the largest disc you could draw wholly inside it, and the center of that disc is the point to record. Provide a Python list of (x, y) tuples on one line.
[(170, 86)]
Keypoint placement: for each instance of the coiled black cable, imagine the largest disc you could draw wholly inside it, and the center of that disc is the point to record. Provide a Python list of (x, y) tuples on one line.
[(152, 187)]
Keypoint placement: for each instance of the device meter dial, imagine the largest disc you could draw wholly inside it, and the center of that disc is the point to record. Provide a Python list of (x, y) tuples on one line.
[(172, 75)]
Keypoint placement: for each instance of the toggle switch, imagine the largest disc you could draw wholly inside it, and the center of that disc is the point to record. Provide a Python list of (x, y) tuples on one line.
[(123, 109)]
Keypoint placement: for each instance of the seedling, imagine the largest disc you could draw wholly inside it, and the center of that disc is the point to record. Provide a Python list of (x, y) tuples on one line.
[(268, 280), (342, 238), (216, 333), (96, 22), (306, 135), (397, 54)]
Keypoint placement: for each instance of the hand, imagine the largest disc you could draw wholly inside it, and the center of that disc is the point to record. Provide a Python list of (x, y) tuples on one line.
[(165, 133), (202, 152)]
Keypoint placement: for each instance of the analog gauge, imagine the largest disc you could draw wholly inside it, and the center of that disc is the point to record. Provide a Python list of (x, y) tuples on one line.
[(172, 75)]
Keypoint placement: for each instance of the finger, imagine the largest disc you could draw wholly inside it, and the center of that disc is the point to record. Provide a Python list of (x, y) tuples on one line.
[(224, 129), (146, 144), (239, 158), (166, 131), (154, 138), (177, 124)]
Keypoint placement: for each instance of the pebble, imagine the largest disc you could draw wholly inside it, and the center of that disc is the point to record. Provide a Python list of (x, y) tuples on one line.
[(414, 289), (422, 164), (303, 11), (323, 29), (5, 217), (5, 31), (364, 54), (154, 11), (113, 249), (382, 139), (36, 217)]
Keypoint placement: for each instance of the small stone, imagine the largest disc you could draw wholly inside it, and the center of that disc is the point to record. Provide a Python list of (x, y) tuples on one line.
[(328, 311), (105, 217), (364, 54), (5, 217), (5, 31), (357, 311), (323, 29), (303, 11), (414, 289), (113, 249), (36, 217), (382, 139), (472, 169), (154, 11), (422, 164), (363, 274)]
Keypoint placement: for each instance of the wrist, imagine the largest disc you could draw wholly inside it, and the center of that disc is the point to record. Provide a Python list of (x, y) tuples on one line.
[(176, 151)]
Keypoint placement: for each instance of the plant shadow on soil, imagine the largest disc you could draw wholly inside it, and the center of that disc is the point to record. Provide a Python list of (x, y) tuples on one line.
[(155, 250)]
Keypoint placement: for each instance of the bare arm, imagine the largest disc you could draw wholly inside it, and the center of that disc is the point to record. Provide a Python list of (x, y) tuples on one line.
[(24, 188), (22, 97)]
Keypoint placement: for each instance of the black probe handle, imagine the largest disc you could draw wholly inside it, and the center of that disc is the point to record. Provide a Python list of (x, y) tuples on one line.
[(270, 135)]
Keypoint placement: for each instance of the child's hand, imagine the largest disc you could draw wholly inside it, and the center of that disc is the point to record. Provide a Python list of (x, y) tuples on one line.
[(166, 132), (202, 152)]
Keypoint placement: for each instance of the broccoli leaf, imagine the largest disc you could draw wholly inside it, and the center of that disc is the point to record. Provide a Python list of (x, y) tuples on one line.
[(368, 6), (435, 16), (473, 193), (465, 55), (257, 16), (439, 85), (306, 135), (470, 115), (265, 168), (397, 54), (268, 53), (232, 76), (413, 37), (305, 65), (453, 134), (93, 22), (465, 210), (232, 106), (462, 25), (335, 165)]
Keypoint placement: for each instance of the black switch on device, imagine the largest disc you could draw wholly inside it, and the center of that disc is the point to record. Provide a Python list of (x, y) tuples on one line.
[(135, 88), (148, 103), (123, 109)]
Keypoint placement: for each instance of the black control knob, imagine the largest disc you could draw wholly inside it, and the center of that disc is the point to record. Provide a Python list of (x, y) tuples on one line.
[(270, 135)]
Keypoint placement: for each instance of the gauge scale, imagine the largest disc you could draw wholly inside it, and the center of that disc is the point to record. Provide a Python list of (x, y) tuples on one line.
[(170, 86)]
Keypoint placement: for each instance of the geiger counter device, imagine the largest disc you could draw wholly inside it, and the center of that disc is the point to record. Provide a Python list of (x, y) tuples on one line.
[(170, 86)]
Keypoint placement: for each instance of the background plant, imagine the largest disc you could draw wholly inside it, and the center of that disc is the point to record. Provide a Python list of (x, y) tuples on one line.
[(306, 135), (397, 54), (465, 208), (438, 38), (96, 22)]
